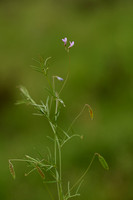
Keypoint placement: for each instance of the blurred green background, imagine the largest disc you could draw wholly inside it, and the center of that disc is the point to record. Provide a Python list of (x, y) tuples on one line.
[(101, 74)]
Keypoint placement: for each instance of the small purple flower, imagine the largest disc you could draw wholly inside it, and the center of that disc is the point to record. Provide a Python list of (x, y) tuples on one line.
[(65, 41), (59, 78), (71, 44)]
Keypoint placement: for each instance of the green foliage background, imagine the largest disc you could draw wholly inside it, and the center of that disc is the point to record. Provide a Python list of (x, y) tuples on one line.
[(101, 74)]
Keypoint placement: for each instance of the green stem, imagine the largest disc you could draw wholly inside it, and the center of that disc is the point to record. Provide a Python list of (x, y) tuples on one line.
[(59, 151), (50, 85), (57, 145), (81, 178), (86, 105), (64, 83), (58, 175), (50, 194), (60, 171)]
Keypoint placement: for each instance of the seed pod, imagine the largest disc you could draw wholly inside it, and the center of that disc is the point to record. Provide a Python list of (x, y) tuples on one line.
[(40, 172), (103, 162), (90, 111), (11, 168)]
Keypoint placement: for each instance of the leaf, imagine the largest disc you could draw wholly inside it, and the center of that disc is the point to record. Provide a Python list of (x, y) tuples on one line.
[(49, 168), (36, 61), (38, 69), (47, 106), (11, 168), (61, 101), (26, 174), (103, 162), (24, 91), (50, 182), (19, 102)]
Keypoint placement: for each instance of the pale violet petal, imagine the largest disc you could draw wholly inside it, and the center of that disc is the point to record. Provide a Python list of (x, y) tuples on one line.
[(71, 44), (59, 78)]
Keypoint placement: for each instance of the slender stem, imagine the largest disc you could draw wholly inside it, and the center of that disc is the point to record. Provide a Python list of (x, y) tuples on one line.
[(56, 108), (64, 83), (69, 61), (58, 189), (22, 160), (58, 177), (59, 151), (30, 161), (53, 83), (54, 129), (60, 169), (81, 178), (49, 82), (50, 194), (55, 150), (57, 142), (76, 118), (67, 75)]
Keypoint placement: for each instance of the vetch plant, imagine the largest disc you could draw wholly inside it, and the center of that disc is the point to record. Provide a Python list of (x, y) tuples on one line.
[(50, 109)]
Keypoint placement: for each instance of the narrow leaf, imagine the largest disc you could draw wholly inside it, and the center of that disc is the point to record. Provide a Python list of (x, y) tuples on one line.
[(24, 91), (20, 102), (47, 105), (50, 182), (61, 101), (26, 174), (37, 69)]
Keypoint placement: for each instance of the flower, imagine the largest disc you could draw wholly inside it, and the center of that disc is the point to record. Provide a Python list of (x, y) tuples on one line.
[(59, 78), (71, 44), (65, 41)]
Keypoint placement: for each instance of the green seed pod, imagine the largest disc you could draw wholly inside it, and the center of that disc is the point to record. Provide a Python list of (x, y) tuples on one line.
[(103, 162)]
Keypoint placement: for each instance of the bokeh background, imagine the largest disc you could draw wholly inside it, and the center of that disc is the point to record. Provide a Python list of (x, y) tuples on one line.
[(101, 74)]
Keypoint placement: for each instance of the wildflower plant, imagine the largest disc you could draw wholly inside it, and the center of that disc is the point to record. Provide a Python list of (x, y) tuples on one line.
[(50, 109)]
